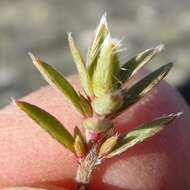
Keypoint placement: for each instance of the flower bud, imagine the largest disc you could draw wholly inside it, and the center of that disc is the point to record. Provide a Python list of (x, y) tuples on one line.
[(108, 145), (107, 104), (96, 125), (104, 76), (80, 147)]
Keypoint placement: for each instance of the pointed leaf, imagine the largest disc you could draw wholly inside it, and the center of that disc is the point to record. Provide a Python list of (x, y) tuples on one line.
[(57, 80), (143, 86), (49, 123), (137, 62), (77, 57), (100, 35), (142, 133), (104, 77)]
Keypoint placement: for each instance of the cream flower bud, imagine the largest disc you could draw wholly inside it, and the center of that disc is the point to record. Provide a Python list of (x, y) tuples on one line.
[(104, 76), (96, 125), (107, 104), (80, 147)]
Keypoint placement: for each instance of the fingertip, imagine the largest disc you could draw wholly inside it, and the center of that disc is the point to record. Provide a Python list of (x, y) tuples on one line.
[(146, 166), (152, 164)]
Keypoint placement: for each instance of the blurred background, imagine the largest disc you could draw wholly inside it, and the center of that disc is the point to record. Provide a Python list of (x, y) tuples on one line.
[(40, 26)]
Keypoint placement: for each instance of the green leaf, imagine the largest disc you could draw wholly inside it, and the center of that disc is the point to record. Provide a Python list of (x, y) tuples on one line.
[(49, 123), (83, 73), (104, 78), (57, 80), (143, 86), (100, 35), (137, 62), (142, 133)]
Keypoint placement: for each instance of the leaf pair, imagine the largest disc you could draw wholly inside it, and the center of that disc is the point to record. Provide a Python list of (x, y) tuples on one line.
[(140, 134), (86, 73), (142, 87), (104, 70), (102, 73), (111, 147)]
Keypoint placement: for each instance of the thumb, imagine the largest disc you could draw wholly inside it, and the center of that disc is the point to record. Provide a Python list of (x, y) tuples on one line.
[(30, 156)]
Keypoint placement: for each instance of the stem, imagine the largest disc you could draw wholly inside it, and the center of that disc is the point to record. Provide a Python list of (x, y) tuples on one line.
[(85, 169), (81, 186)]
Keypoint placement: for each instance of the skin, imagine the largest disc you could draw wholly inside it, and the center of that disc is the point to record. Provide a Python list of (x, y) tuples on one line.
[(30, 157)]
